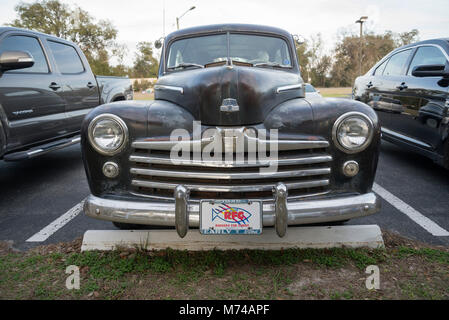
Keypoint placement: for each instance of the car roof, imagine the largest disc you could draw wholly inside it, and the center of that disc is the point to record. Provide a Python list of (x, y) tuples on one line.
[(9, 29), (228, 27), (444, 42)]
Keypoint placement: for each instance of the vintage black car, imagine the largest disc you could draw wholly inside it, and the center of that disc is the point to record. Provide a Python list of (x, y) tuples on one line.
[(409, 89), (198, 154)]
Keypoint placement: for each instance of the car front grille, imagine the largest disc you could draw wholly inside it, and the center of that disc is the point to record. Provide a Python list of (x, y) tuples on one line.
[(302, 165)]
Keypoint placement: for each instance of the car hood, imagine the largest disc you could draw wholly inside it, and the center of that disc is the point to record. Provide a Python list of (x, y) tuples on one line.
[(203, 91)]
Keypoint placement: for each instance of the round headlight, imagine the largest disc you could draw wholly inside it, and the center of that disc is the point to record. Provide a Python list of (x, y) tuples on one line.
[(108, 134), (353, 132)]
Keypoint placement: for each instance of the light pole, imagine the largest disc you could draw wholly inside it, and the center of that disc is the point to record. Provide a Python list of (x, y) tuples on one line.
[(177, 19), (361, 21)]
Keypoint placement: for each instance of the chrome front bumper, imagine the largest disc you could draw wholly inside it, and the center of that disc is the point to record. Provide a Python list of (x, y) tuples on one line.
[(280, 213)]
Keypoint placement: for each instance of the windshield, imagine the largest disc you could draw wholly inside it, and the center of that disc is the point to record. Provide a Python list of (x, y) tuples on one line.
[(254, 50)]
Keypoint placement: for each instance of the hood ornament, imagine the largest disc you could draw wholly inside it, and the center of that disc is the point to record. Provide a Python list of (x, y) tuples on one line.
[(229, 105)]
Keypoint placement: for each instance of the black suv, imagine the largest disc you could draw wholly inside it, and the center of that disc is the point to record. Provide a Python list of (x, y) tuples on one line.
[(409, 91)]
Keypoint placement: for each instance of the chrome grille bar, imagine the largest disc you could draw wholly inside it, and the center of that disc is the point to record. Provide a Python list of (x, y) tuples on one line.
[(282, 145), (223, 164), (229, 176), (235, 188)]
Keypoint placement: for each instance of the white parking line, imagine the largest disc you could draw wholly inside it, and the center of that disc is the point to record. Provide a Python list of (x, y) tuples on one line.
[(45, 233), (413, 214)]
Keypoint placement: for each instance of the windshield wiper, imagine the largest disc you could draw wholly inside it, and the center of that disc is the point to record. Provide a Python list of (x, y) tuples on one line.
[(270, 64), (186, 65)]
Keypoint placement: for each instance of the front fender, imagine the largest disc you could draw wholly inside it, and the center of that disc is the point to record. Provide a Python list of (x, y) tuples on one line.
[(315, 118), (144, 119), (135, 115), (325, 112)]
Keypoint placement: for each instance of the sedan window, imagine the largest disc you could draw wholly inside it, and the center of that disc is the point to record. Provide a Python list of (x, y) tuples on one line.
[(380, 69), (426, 56), (396, 64)]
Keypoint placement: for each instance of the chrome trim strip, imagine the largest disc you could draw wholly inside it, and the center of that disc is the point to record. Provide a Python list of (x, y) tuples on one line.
[(299, 212), (289, 88), (234, 188), (264, 199), (34, 152), (229, 176), (169, 88), (37, 152), (223, 164), (167, 145), (403, 137)]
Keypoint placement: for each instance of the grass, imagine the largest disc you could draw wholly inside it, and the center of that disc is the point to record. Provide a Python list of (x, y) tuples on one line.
[(430, 254), (335, 92), (141, 96), (407, 272)]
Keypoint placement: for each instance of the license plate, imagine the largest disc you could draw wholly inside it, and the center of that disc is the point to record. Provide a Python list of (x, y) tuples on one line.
[(231, 217)]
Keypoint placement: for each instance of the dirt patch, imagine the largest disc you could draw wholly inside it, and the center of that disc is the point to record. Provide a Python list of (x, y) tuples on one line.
[(408, 270)]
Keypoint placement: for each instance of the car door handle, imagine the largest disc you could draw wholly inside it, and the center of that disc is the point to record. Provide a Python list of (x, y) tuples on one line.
[(402, 86), (54, 86), (90, 85), (369, 85)]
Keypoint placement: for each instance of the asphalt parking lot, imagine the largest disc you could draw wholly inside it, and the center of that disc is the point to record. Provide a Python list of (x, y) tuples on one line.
[(40, 198)]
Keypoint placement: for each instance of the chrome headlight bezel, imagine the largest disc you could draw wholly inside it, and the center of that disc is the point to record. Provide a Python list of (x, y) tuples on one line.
[(341, 120), (121, 124)]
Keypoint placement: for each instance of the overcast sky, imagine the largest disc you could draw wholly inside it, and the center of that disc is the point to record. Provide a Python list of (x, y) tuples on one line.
[(142, 20)]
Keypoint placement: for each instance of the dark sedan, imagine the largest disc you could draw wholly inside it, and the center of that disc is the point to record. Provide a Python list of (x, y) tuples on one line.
[(409, 91)]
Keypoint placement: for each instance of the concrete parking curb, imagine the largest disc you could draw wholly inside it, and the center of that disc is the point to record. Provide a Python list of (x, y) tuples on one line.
[(368, 236)]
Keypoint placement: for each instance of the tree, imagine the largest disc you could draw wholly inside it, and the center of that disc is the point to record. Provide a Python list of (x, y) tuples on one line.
[(145, 64), (304, 55), (405, 38), (347, 55), (314, 64), (95, 38), (52, 17)]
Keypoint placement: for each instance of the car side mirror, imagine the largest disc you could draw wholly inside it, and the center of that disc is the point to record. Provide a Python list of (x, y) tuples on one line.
[(13, 60), (431, 70), (158, 44)]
